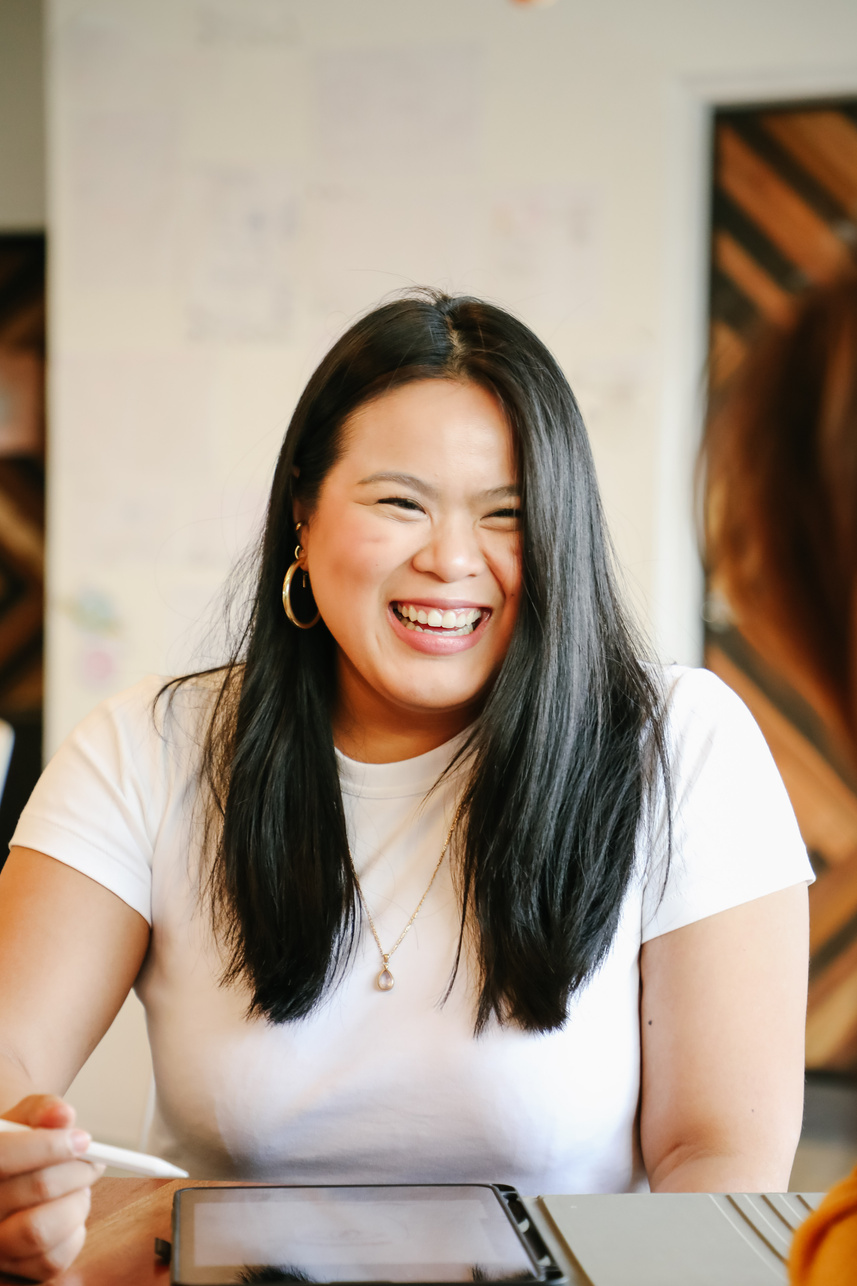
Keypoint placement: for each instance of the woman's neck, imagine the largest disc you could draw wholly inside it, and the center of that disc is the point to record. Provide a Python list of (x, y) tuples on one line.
[(372, 732), (388, 746)]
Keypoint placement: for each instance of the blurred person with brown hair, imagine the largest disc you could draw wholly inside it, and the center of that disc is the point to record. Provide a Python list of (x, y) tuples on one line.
[(781, 536), (781, 509)]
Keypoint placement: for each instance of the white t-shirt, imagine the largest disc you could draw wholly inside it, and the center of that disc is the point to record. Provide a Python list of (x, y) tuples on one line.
[(393, 1086)]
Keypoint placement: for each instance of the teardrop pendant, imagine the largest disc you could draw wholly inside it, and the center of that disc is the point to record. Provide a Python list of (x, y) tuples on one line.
[(386, 981)]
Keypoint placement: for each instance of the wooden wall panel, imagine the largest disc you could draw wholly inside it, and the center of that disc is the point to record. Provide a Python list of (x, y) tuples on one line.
[(784, 215), (22, 520), (22, 479)]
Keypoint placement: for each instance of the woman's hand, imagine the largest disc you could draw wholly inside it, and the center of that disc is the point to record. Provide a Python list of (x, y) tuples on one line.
[(44, 1189)]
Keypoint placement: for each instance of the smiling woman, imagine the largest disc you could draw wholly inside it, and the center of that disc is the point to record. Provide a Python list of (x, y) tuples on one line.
[(415, 567), (436, 878)]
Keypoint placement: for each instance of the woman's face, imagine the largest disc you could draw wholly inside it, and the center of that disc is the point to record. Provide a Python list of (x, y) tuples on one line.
[(413, 555)]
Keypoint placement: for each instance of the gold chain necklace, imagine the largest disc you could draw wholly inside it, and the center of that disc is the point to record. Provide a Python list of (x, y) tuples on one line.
[(385, 979)]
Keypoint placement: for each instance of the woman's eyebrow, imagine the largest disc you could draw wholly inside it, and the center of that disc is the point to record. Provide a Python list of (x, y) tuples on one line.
[(404, 480), (427, 489), (510, 491)]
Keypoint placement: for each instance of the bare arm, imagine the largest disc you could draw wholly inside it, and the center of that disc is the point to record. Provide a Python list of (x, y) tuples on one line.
[(722, 1015), (69, 953)]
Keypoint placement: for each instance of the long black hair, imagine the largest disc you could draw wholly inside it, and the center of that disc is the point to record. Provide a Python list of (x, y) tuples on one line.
[(564, 754)]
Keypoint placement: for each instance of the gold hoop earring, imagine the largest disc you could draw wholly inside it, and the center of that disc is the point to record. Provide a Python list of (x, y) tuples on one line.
[(287, 586)]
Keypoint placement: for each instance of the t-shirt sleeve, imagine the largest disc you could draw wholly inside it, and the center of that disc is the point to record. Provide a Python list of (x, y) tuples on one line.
[(97, 805), (735, 836)]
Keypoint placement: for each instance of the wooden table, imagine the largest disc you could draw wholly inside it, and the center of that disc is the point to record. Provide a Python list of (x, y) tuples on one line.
[(126, 1216)]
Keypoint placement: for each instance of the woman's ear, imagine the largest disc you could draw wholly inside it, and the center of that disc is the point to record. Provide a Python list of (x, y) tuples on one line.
[(300, 514)]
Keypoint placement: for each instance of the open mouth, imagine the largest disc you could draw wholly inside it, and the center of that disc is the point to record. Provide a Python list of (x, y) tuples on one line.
[(431, 620)]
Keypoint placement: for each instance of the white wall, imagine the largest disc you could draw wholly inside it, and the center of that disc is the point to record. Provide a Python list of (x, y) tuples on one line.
[(230, 180), (22, 143)]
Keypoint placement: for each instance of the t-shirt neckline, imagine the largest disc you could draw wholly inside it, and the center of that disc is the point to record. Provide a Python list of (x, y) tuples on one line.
[(405, 777)]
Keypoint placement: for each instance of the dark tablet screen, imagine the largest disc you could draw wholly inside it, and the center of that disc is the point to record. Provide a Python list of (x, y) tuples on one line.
[(349, 1234)]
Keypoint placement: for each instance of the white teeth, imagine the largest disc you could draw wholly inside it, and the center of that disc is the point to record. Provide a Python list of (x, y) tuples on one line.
[(464, 629), (452, 620)]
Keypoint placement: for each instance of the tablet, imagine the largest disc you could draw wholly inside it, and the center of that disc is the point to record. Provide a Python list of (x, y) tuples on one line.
[(423, 1235)]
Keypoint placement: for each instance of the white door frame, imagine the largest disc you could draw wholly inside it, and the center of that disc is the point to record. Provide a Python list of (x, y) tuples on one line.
[(678, 587)]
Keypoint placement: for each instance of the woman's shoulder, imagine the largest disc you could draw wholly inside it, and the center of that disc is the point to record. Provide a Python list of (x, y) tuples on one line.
[(121, 778), (157, 713), (720, 763), (161, 695), (688, 687), (732, 832), (713, 743), (696, 701)]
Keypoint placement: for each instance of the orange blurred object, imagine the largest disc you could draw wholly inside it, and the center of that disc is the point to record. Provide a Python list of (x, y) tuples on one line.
[(824, 1249)]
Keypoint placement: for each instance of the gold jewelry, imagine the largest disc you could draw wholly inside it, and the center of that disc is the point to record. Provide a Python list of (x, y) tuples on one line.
[(287, 586), (385, 980)]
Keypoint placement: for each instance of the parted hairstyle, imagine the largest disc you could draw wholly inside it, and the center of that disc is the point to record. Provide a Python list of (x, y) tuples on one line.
[(564, 753), (780, 454)]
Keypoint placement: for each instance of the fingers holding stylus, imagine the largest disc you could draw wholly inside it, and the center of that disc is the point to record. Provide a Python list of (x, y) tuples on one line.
[(37, 1149), (42, 1241), (44, 1188), (42, 1111)]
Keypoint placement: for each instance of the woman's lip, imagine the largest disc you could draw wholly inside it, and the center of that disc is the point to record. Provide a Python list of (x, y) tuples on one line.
[(443, 604), (436, 642)]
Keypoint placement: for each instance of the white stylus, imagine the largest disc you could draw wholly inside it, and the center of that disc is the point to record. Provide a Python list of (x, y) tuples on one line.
[(121, 1158)]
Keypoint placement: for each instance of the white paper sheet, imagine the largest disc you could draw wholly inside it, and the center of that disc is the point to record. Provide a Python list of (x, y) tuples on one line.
[(250, 22), (397, 112), (545, 251), (363, 243), (241, 253), (121, 228)]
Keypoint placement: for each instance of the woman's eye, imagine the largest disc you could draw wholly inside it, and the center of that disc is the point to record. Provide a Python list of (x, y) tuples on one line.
[(506, 513), (401, 502)]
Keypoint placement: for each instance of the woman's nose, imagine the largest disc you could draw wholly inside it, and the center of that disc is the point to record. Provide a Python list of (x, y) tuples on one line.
[(452, 551)]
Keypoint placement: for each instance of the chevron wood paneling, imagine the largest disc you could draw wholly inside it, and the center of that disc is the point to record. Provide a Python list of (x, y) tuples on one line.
[(784, 215), (22, 476)]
